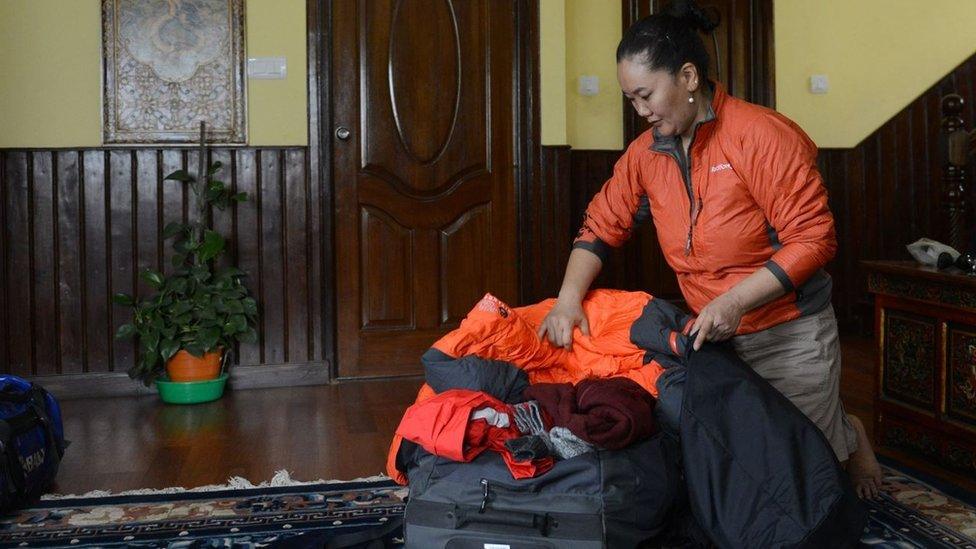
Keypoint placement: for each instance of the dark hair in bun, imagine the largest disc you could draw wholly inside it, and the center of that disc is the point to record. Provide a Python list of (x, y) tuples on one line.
[(669, 39)]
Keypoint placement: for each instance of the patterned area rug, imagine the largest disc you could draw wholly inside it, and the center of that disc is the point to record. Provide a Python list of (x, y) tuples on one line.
[(910, 514), (913, 513), (305, 515)]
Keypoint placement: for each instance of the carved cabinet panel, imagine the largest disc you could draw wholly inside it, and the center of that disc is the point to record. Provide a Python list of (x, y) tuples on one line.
[(925, 393)]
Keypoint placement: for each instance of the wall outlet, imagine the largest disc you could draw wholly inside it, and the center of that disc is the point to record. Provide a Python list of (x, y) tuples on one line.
[(589, 85), (819, 84), (267, 68)]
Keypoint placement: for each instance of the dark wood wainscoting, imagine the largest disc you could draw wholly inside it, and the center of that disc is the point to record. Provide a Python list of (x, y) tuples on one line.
[(569, 180), (79, 226), (887, 192), (547, 226), (637, 266)]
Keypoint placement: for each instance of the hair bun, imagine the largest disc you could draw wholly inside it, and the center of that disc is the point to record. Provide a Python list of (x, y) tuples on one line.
[(694, 16)]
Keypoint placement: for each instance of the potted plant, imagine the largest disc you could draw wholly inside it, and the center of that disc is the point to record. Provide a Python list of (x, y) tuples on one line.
[(197, 313)]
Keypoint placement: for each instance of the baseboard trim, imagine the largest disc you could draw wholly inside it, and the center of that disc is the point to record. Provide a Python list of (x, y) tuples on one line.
[(72, 386)]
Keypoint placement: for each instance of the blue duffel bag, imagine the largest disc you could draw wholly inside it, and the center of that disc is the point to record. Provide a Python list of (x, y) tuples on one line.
[(31, 441)]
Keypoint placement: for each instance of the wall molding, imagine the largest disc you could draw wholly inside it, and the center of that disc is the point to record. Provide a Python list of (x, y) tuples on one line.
[(115, 384)]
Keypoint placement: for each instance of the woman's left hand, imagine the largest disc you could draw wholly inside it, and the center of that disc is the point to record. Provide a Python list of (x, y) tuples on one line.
[(718, 320)]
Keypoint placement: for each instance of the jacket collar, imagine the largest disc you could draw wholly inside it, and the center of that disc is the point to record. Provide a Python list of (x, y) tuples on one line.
[(670, 144)]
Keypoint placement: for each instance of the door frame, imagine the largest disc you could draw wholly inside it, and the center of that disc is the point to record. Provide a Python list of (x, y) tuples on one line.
[(320, 145)]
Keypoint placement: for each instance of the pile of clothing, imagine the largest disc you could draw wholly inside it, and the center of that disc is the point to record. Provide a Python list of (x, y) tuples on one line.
[(494, 384), (753, 470), (558, 421)]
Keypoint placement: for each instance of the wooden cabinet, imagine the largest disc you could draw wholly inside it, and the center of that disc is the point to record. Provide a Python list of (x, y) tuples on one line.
[(925, 380)]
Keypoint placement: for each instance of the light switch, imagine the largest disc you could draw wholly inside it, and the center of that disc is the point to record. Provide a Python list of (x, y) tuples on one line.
[(819, 84), (589, 85), (267, 68)]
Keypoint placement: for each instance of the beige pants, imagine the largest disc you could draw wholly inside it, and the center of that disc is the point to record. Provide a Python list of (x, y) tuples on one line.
[(801, 358)]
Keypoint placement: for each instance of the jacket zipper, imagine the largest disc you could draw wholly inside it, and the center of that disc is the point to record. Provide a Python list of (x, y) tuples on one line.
[(684, 165), (694, 206)]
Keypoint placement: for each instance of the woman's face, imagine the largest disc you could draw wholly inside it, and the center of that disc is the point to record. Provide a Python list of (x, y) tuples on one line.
[(659, 97)]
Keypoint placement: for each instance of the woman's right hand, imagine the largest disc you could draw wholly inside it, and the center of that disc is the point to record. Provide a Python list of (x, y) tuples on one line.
[(559, 324)]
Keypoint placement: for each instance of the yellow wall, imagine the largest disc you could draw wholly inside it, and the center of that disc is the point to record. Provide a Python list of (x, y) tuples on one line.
[(879, 55), (579, 37), (50, 75), (552, 71), (593, 30)]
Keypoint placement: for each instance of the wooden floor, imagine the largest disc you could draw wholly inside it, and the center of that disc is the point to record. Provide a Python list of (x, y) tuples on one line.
[(330, 432)]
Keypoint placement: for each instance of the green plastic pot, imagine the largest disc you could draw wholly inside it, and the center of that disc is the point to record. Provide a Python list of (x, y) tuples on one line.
[(191, 392)]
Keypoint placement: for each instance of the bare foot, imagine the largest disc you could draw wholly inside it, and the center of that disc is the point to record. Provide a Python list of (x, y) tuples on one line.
[(862, 466)]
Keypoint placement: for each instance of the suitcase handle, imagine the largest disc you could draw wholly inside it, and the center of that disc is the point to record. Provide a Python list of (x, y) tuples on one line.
[(463, 517)]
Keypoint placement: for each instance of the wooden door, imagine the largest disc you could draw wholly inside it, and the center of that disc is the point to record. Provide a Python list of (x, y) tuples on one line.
[(423, 172)]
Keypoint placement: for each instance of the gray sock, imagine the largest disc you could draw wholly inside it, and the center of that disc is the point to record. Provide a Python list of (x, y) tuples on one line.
[(567, 445), (528, 418)]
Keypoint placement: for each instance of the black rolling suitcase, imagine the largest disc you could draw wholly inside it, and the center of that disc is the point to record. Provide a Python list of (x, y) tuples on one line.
[(600, 499)]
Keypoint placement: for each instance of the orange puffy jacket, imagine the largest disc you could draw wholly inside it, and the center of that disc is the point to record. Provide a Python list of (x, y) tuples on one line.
[(629, 333), (748, 195)]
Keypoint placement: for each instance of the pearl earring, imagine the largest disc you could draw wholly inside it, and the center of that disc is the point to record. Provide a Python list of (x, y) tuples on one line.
[(691, 99)]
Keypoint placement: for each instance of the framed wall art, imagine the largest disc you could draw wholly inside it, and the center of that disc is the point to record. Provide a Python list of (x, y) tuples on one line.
[(170, 64)]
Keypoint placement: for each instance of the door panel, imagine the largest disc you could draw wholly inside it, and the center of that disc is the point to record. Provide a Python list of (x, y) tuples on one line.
[(425, 181)]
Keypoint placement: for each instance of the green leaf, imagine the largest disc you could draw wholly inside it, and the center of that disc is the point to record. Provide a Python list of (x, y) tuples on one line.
[(180, 175), (240, 197), (213, 245), (214, 168), (168, 348), (172, 229), (154, 278), (235, 324), (249, 336), (181, 307), (185, 246), (234, 307), (126, 331), (178, 285), (208, 337), (200, 272), (195, 349), (123, 299), (178, 260), (250, 306)]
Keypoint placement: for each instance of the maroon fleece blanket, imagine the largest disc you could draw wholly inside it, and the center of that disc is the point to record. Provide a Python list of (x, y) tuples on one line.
[(610, 413)]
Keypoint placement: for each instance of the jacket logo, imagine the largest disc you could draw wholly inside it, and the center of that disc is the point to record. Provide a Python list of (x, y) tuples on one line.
[(721, 167)]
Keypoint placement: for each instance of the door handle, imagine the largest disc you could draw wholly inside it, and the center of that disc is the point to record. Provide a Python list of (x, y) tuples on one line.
[(342, 133)]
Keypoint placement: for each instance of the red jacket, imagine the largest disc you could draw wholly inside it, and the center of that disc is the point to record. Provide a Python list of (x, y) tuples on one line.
[(442, 426), (750, 197)]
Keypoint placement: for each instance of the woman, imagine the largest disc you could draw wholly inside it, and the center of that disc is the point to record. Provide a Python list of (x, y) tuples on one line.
[(741, 215)]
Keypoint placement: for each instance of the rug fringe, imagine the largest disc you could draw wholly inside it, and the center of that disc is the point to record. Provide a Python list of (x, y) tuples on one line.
[(280, 478)]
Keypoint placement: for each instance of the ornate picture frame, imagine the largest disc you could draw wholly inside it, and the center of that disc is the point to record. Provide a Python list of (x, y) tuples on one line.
[(167, 65)]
